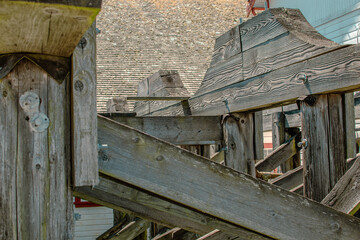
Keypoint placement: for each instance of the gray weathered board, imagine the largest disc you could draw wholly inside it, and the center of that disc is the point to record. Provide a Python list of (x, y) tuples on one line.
[(269, 55), (324, 158), (34, 166), (52, 27), (120, 196), (278, 156), (345, 196), (84, 134), (193, 181), (179, 130)]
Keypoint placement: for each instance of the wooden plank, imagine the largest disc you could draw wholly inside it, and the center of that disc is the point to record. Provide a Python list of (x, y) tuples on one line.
[(324, 157), (349, 116), (258, 135), (278, 38), (239, 139), (32, 162), (113, 230), (8, 156), (123, 197), (178, 130), (284, 85), (42, 169), (278, 156), (223, 74), (132, 230), (290, 179), (292, 119), (84, 140), (294, 178), (345, 196), (204, 184), (60, 204), (45, 27), (170, 98), (226, 46), (171, 231)]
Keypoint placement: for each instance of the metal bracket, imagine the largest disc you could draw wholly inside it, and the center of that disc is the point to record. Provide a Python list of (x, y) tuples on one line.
[(30, 103)]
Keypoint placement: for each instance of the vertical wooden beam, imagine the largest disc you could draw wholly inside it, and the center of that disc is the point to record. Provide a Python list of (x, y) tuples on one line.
[(84, 116), (349, 121), (239, 138), (258, 135), (8, 156), (37, 161), (324, 155), (280, 135)]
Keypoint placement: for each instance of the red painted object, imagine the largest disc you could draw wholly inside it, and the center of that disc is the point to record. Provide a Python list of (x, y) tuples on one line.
[(251, 9), (81, 203)]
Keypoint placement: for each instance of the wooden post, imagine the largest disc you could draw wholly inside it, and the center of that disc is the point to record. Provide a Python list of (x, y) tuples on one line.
[(84, 129), (324, 137), (35, 155), (239, 139), (280, 135)]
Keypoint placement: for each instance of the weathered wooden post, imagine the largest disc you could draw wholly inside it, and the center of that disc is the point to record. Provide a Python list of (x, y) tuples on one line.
[(323, 140), (35, 121)]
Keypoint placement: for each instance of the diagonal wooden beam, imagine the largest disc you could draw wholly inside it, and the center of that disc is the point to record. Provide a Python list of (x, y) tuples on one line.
[(345, 196), (171, 231), (278, 156), (123, 197), (193, 181), (179, 130), (132, 230)]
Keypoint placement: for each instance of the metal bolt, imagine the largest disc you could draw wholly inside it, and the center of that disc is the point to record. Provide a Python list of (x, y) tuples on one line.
[(303, 78), (38, 166), (303, 143), (159, 158)]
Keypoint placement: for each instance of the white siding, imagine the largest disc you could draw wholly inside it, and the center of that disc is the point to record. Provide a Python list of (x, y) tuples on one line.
[(335, 19), (93, 222)]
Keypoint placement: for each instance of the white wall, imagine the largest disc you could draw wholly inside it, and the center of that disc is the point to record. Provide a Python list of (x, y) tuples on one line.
[(93, 222), (335, 19)]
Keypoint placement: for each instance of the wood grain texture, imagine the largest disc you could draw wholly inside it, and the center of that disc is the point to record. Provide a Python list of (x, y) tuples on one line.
[(349, 116), (8, 156), (57, 67), (226, 46), (278, 156), (46, 27), (283, 85), (132, 230), (290, 179), (239, 139), (258, 135), (222, 74), (118, 195), (324, 157), (84, 134), (345, 196), (208, 184), (178, 130), (40, 160)]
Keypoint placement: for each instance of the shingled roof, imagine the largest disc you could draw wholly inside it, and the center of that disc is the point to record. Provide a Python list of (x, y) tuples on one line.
[(140, 37)]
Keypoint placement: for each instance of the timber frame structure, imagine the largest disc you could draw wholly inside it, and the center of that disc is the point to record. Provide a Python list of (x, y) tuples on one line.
[(131, 163)]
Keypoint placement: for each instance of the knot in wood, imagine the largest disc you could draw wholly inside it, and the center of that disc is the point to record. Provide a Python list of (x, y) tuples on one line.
[(5, 93), (159, 158), (335, 227), (79, 86), (82, 44)]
